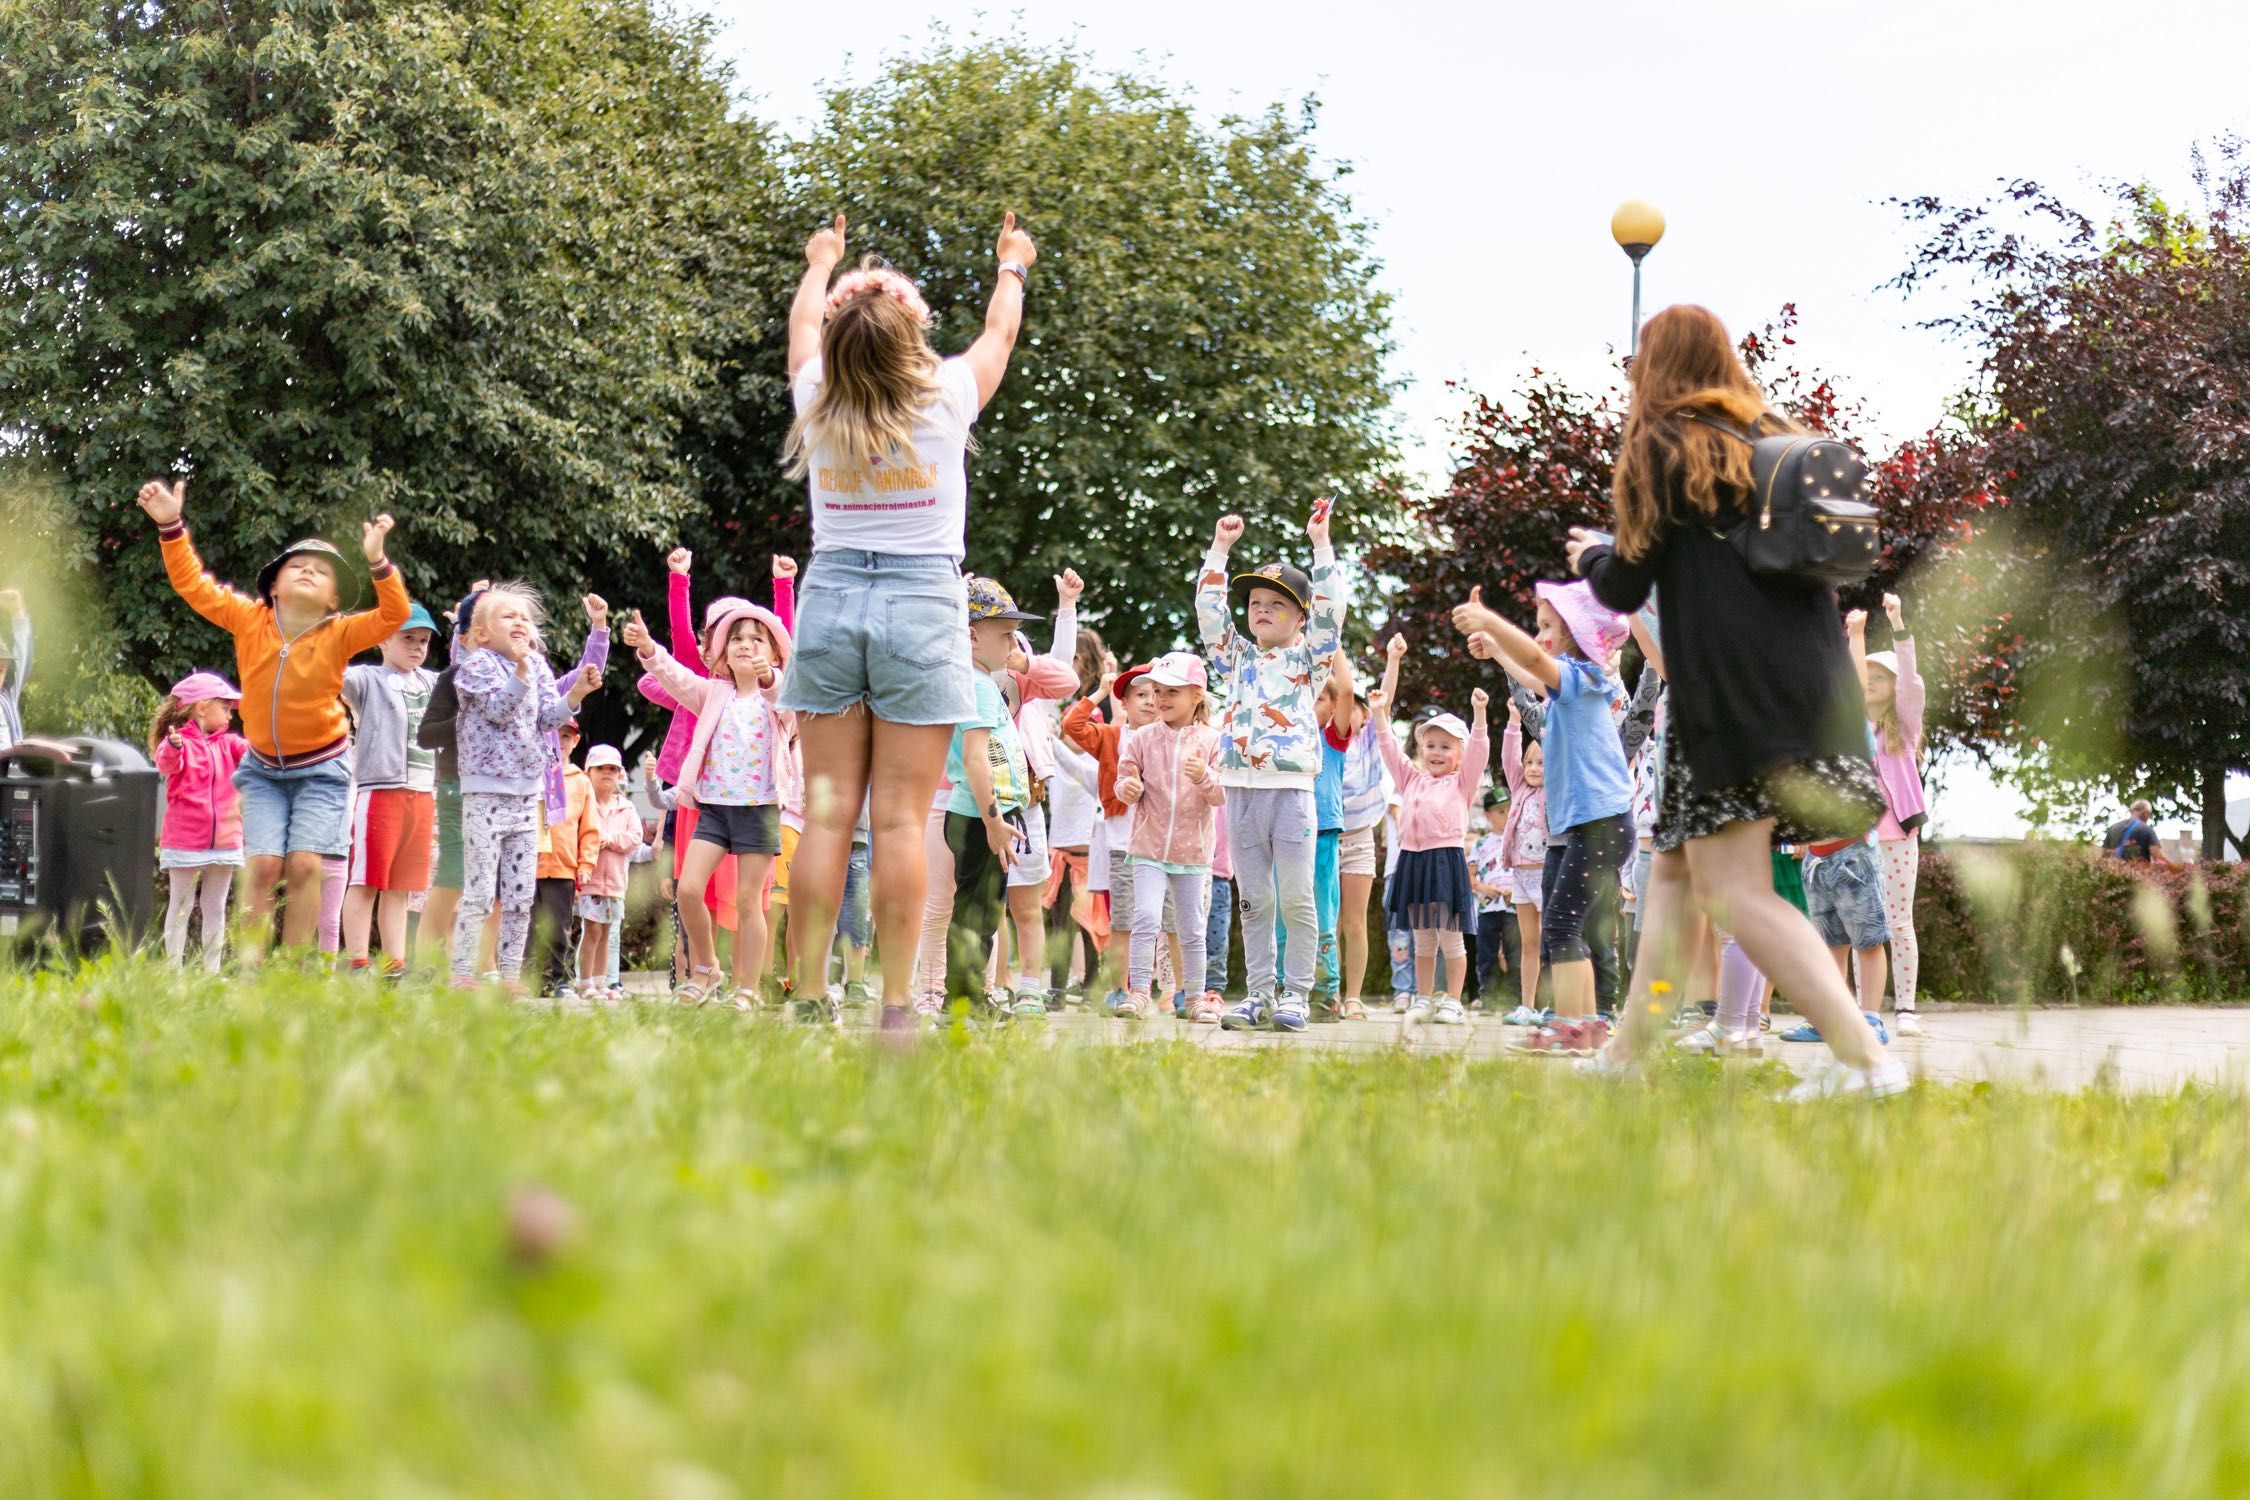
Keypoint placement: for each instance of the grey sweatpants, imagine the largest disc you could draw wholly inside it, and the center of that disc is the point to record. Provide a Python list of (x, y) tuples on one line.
[(499, 861), (1192, 895), (1271, 832)]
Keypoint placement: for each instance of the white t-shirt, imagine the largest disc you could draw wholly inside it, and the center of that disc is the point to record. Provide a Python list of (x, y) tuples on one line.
[(909, 508)]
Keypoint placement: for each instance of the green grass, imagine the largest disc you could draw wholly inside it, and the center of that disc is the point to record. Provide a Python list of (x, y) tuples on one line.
[(254, 1240)]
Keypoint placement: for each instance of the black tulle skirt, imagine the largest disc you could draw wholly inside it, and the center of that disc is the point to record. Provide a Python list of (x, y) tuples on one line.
[(1431, 889)]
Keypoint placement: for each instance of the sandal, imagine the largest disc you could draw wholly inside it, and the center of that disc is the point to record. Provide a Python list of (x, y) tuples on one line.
[(697, 991), (1353, 1011), (744, 999)]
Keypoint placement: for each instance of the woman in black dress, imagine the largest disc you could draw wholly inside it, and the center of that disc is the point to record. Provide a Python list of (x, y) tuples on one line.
[(1768, 735)]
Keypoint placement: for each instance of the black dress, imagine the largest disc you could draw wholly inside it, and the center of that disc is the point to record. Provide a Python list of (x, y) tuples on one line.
[(1766, 715)]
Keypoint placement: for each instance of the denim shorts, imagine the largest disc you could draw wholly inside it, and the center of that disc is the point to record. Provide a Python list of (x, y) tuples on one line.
[(887, 631), (303, 809), (1844, 897)]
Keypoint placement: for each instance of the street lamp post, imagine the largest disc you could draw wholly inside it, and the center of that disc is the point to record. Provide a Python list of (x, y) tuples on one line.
[(1636, 226)]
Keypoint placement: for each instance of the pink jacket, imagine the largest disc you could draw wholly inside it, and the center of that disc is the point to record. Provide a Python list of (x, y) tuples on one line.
[(706, 698), (1896, 770), (1175, 820), (619, 822), (1434, 811), (201, 808), (687, 650)]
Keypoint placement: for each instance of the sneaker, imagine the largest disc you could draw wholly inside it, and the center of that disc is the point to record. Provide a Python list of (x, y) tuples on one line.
[(1418, 1011), (1028, 993), (357, 969), (1206, 1008), (1074, 996), (1449, 1012), (929, 1005), (817, 1012), (1804, 1031), (1401, 1002), (1714, 1040), (1179, 1004), (1250, 1015), (898, 1024), (1112, 1000), (1906, 1023), (1884, 1080), (855, 992), (1876, 1021), (1522, 1015), (1607, 1063), (1290, 1013), (1132, 1008), (394, 971)]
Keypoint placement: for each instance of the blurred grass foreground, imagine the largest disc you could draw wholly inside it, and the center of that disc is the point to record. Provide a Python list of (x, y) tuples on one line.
[(295, 1237)]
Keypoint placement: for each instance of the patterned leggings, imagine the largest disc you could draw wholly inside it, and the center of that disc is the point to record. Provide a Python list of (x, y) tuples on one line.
[(1902, 860), (499, 860)]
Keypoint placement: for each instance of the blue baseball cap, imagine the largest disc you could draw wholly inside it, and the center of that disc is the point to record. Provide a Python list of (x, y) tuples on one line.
[(418, 618)]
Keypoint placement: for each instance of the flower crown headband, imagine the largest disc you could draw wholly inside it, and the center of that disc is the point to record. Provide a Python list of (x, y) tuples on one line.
[(882, 283)]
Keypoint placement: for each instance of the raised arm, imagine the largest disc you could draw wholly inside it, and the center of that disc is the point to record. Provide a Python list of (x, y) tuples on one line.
[(1214, 617), (1068, 588), (1511, 755), (1913, 693), (371, 627), (1478, 754), (1475, 619), (1003, 316), (1324, 629), (1393, 654), (785, 592), (222, 606), (1855, 641), (809, 308), (1386, 738), (686, 687)]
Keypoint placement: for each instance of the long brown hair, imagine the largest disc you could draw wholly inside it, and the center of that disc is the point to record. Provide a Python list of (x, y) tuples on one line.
[(170, 715), (1686, 363), (1890, 728), (877, 373)]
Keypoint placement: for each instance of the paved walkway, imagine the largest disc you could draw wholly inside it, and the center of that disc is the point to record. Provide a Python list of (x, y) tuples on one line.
[(2063, 1048)]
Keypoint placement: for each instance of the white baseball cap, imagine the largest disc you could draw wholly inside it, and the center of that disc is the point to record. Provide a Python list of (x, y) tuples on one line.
[(1444, 724), (604, 755)]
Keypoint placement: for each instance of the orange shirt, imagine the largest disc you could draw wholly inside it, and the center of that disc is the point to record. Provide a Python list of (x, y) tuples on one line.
[(567, 850), (292, 691), (1100, 740)]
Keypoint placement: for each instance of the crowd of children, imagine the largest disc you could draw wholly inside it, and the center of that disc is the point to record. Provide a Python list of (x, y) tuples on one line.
[(1013, 832)]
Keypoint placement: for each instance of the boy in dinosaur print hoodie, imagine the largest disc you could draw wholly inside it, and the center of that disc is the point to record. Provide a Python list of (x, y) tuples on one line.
[(1269, 752)]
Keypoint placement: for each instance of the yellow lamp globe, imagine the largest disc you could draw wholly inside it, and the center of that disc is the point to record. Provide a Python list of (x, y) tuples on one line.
[(1636, 226)]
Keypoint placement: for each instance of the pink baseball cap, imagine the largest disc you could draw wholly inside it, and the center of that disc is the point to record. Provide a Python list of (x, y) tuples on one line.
[(1179, 669), (196, 687), (1597, 629)]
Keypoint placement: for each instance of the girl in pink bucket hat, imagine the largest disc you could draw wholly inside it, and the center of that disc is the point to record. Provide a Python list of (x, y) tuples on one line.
[(733, 775), (197, 750), (1589, 791)]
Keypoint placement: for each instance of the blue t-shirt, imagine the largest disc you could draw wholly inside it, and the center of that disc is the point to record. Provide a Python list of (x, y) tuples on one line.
[(1328, 788), (1586, 775), (1011, 782)]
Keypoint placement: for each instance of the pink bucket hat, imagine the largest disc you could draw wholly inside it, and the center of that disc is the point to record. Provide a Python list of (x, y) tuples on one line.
[(1179, 669), (196, 687), (724, 614), (1597, 630)]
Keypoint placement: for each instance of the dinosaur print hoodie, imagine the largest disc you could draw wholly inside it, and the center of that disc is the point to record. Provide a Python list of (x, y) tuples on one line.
[(1270, 737)]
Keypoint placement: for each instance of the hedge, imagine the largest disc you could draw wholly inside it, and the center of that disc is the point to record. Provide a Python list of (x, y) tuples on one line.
[(2043, 923)]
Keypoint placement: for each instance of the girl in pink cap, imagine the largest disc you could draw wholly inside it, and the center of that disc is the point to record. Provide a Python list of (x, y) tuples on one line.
[(1168, 773), (1589, 791), (197, 750)]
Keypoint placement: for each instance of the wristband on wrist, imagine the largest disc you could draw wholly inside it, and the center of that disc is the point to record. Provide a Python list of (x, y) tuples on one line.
[(1017, 269)]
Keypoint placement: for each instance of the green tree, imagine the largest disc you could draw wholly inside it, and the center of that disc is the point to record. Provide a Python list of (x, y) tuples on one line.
[(462, 262), (1203, 335)]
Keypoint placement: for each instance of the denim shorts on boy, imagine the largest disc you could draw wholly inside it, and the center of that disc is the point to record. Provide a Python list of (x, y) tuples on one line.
[(1844, 897), (886, 631), (303, 809), (445, 870), (740, 830)]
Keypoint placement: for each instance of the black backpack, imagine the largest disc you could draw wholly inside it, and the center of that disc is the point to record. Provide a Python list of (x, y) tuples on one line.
[(1806, 519)]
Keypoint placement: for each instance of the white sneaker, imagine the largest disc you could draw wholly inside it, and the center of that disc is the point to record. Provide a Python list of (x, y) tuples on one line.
[(1401, 1002), (1714, 1040), (1449, 1012), (1522, 1015), (1906, 1023), (1885, 1080)]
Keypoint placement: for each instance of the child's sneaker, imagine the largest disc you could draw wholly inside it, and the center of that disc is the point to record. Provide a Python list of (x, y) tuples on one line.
[(1290, 1013), (1401, 1002), (1133, 1007), (1522, 1015), (394, 972), (855, 992), (1112, 1000), (1876, 1021), (1074, 996), (1884, 1080), (930, 1004), (357, 969), (1247, 1016), (1449, 1012), (1029, 1005), (1906, 1023), (1205, 1009), (1417, 1009)]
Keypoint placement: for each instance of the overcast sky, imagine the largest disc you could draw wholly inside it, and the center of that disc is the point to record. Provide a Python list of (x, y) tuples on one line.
[(1501, 138)]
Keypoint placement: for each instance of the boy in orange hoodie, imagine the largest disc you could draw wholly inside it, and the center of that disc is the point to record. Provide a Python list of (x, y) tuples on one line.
[(290, 650), (567, 851)]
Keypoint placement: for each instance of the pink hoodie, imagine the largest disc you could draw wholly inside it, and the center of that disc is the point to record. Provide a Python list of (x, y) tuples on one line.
[(1176, 819), (706, 699), (687, 650), (1434, 811), (619, 823), (201, 808), (1896, 769)]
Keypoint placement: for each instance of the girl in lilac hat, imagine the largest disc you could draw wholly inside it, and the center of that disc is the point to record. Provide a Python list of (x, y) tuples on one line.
[(1589, 790), (197, 750)]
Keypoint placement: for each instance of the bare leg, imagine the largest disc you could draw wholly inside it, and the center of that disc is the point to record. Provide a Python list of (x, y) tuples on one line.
[(1574, 987), (1666, 916), (695, 877), (1527, 929), (1874, 972), (359, 918), (390, 922), (838, 753), (750, 930), (261, 875), (301, 871), (911, 758), (1031, 928), (1733, 876), (1351, 926), (438, 912)]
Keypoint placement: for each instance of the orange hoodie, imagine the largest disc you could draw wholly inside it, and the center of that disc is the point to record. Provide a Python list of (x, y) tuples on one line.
[(292, 691), (1100, 740), (567, 850)]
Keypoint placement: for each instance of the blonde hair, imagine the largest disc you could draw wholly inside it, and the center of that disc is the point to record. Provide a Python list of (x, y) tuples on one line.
[(522, 594), (170, 715), (878, 372), (1889, 727)]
